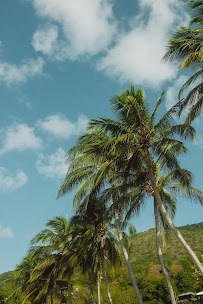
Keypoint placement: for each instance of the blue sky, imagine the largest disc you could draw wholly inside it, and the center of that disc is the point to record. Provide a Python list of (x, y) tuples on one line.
[(60, 61)]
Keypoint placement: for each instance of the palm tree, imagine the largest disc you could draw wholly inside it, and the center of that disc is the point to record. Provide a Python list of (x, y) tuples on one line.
[(93, 165), (93, 241), (44, 281), (57, 237), (138, 135), (173, 182), (166, 183), (132, 198), (23, 272), (186, 47)]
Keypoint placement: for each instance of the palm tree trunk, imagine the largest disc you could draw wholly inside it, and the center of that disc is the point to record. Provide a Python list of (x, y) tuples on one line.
[(91, 289), (104, 272), (165, 215), (98, 288), (165, 272), (51, 297), (69, 290), (125, 253)]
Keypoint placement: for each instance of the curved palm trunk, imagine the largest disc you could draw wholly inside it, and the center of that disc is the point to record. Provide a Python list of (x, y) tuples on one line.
[(91, 289), (170, 288), (69, 290), (98, 289), (104, 272), (125, 253), (165, 215)]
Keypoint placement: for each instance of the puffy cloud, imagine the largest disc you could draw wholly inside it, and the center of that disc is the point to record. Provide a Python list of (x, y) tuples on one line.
[(136, 56), (5, 232), (15, 74), (20, 137), (11, 183), (53, 165), (88, 27), (45, 38), (60, 126)]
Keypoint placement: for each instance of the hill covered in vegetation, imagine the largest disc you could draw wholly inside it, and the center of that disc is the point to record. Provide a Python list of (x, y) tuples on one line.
[(146, 267)]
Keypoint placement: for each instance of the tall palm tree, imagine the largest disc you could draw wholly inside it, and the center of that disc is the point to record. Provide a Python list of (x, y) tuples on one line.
[(186, 46), (94, 166), (169, 184), (94, 242), (137, 134)]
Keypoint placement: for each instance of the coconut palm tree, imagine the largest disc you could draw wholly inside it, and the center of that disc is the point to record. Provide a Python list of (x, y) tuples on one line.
[(23, 272), (168, 185), (57, 239), (186, 46), (94, 166), (44, 283), (94, 241), (137, 134)]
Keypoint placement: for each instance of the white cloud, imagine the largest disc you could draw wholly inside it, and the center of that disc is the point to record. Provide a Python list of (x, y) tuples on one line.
[(20, 137), (60, 126), (14, 74), (136, 56), (52, 166), (45, 38), (5, 232), (11, 183), (88, 27)]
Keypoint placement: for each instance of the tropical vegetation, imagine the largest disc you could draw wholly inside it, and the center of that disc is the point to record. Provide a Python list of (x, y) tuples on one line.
[(114, 168), (145, 263)]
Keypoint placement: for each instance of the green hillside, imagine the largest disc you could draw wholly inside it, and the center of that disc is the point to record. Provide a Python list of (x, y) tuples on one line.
[(144, 245), (146, 268)]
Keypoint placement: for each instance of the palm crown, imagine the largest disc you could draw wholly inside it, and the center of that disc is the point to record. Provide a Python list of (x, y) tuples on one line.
[(186, 47)]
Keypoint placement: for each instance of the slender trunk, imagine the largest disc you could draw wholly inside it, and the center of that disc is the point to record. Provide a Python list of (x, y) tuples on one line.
[(165, 272), (51, 297), (165, 215), (98, 288), (104, 272), (69, 290), (91, 289), (125, 253)]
